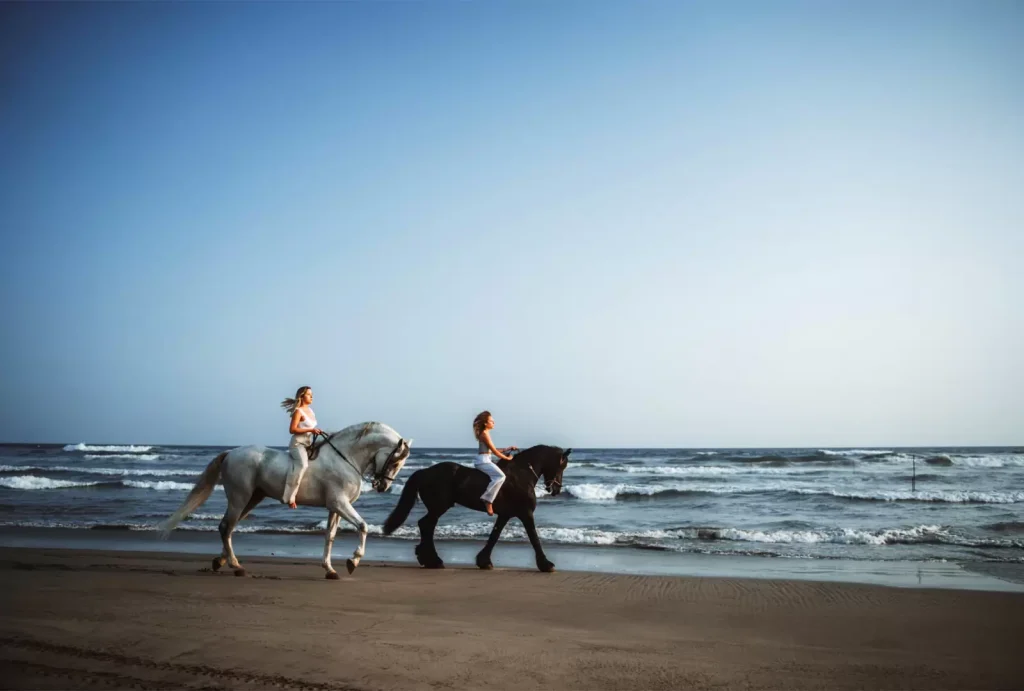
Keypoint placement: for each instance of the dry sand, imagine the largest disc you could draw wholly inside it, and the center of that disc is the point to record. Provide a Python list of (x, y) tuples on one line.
[(80, 619)]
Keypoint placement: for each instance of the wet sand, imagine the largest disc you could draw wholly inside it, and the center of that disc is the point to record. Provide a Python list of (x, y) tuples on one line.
[(105, 619)]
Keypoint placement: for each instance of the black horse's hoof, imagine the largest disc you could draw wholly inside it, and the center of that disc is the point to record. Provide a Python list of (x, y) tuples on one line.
[(484, 563), (434, 564), (546, 567), (240, 573), (419, 557), (332, 576), (217, 563), (350, 565)]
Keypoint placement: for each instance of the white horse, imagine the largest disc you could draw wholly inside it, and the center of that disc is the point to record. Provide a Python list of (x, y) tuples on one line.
[(252, 473)]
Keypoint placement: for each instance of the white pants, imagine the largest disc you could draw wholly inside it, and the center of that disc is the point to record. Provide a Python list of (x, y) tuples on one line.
[(483, 462), (297, 449)]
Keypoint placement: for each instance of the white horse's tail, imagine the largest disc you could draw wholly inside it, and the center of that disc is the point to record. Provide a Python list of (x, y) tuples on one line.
[(199, 494)]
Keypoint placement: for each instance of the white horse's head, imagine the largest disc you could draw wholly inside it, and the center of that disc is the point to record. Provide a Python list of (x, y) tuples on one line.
[(375, 449), (388, 462)]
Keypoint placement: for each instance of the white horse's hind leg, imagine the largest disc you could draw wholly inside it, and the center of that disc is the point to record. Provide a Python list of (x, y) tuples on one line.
[(343, 507), (227, 526), (332, 527)]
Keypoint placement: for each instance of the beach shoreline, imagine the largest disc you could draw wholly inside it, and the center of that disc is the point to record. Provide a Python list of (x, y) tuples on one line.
[(115, 619), (202, 545)]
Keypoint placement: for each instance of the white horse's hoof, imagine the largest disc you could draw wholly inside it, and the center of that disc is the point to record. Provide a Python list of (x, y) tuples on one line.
[(333, 575), (351, 566)]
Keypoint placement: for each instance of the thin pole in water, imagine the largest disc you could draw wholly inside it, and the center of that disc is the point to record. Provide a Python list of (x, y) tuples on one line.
[(913, 478)]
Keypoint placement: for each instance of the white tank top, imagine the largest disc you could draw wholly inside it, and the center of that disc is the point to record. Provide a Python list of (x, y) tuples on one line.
[(307, 421)]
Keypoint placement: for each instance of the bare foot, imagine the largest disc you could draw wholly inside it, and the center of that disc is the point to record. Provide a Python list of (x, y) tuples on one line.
[(490, 509)]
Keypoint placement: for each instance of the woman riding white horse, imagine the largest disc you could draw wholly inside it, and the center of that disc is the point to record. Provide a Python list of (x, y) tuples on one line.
[(252, 473), (303, 429)]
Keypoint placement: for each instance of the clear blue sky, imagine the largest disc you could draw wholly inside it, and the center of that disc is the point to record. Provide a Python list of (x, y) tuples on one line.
[(612, 224)]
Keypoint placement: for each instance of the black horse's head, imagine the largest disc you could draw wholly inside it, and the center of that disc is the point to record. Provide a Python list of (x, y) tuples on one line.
[(554, 463)]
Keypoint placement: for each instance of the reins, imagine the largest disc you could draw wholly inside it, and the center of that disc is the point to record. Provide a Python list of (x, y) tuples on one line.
[(536, 477), (378, 477)]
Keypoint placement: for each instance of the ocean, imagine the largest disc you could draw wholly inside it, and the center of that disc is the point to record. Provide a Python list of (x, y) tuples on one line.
[(906, 504)]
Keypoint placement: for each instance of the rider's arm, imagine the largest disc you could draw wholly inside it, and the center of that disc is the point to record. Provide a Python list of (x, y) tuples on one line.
[(486, 436)]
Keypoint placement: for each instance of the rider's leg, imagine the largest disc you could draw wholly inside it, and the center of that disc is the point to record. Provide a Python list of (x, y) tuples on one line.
[(497, 478), (300, 461)]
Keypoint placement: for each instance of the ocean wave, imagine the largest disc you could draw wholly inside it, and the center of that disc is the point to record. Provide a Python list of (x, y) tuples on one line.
[(923, 534), (676, 539), (129, 449), (941, 496), (617, 492), (854, 452), (995, 460), (32, 482), (773, 459), (770, 459), (146, 472), (709, 470), (159, 485), (989, 460), (132, 456), (597, 492)]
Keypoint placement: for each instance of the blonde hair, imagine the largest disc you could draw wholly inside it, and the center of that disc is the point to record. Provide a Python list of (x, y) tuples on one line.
[(479, 421), (290, 404)]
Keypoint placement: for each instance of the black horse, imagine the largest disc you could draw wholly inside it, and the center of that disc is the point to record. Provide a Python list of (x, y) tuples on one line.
[(443, 485)]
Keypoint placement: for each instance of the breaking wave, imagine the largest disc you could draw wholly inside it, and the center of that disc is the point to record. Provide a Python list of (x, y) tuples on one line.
[(86, 448)]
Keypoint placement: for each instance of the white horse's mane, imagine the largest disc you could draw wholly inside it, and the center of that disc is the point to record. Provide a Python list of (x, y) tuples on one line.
[(354, 433)]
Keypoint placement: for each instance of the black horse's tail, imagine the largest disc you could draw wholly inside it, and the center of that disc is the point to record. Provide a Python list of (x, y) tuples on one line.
[(405, 504)]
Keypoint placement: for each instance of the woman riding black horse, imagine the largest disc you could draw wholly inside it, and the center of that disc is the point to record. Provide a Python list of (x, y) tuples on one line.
[(443, 485)]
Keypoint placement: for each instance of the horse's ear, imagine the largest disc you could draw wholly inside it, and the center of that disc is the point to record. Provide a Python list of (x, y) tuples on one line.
[(408, 443), (565, 454)]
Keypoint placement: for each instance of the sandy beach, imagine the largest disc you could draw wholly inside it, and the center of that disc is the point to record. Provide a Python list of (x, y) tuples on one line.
[(104, 619)]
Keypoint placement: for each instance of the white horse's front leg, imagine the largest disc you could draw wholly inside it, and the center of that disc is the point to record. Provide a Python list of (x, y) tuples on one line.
[(343, 507), (332, 527)]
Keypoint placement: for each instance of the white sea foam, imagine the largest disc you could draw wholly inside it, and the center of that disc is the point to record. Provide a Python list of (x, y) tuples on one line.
[(711, 470), (852, 452), (675, 538), (30, 482), (132, 449), (843, 536), (947, 496), (146, 472), (611, 492), (132, 456), (159, 485), (599, 492), (988, 460)]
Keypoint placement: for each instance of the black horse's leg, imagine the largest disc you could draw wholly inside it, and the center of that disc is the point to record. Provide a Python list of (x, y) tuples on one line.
[(426, 553), (483, 559), (531, 531)]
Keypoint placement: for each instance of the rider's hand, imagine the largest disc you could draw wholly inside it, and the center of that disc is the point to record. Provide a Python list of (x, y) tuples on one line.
[(512, 448), (317, 430)]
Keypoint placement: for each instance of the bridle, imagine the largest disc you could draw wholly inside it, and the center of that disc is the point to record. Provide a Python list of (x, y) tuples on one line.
[(536, 477), (380, 477)]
